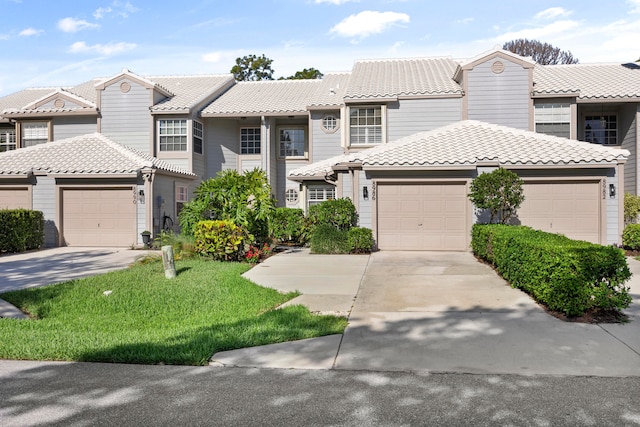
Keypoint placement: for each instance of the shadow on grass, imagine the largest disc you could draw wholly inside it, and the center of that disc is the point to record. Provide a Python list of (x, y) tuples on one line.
[(196, 347)]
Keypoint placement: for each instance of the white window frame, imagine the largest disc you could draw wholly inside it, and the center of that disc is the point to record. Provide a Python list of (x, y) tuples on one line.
[(248, 145), (330, 123), (365, 137), (283, 150), (596, 134), (8, 140), (291, 196), (34, 133), (182, 197), (317, 194), (169, 138), (198, 137), (558, 114)]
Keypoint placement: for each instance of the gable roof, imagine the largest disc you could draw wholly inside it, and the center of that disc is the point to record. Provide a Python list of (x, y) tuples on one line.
[(82, 155), (588, 81), (396, 78), (469, 143)]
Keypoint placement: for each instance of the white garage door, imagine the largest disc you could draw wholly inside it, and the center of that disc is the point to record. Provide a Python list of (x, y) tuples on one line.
[(570, 208), (14, 198), (422, 216), (98, 217)]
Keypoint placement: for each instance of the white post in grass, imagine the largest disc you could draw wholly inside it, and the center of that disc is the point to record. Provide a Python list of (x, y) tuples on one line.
[(168, 262)]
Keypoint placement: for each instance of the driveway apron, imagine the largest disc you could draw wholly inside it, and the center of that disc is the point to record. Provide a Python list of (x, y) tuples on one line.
[(446, 312)]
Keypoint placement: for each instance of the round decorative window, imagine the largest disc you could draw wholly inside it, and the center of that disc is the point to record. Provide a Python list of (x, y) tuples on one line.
[(291, 195), (125, 87), (330, 123), (59, 103), (497, 67)]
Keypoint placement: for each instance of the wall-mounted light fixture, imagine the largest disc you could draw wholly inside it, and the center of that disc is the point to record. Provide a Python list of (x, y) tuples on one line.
[(612, 191), (365, 193), (141, 196)]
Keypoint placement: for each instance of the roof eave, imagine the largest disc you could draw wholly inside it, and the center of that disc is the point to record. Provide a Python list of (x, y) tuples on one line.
[(19, 114)]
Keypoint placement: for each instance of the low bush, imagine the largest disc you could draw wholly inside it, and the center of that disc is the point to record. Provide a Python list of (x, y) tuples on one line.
[(360, 240), (339, 213), (631, 208), (21, 230), (289, 225), (183, 245), (326, 239), (566, 275), (221, 240), (631, 237)]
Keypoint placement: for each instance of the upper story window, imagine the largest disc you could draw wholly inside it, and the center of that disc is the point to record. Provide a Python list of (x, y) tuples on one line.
[(173, 135), (34, 133), (250, 141), (553, 119), (182, 197), (198, 133), (365, 125), (7, 140), (330, 123), (601, 129), (292, 142)]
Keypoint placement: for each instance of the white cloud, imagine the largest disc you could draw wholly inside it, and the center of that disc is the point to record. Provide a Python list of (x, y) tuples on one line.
[(27, 32), (101, 12), (336, 2), (212, 57), (553, 12), (540, 33), (464, 21), (103, 49), (367, 23), (72, 25), (117, 8), (635, 6)]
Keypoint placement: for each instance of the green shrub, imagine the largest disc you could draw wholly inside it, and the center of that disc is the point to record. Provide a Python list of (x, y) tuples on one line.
[(631, 237), (183, 245), (360, 240), (221, 239), (631, 208), (21, 230), (289, 225), (326, 239), (565, 275), (500, 192), (339, 213)]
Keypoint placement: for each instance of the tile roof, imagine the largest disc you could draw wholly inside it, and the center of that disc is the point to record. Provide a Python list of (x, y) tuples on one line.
[(265, 97), (402, 77), (331, 91), (470, 142), (24, 97), (189, 91), (85, 154), (589, 81)]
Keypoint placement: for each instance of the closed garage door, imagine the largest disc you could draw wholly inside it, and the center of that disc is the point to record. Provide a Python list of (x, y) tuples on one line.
[(98, 217), (570, 208), (422, 216), (14, 198)]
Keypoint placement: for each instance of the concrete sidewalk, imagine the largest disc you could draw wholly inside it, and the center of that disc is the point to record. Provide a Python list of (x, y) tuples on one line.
[(440, 312)]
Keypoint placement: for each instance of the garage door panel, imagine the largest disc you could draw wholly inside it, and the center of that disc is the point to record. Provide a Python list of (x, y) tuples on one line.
[(104, 217), (569, 208), (427, 217), (15, 198)]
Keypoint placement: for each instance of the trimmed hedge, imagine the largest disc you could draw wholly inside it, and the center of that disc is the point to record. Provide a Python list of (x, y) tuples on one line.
[(326, 239), (360, 240), (21, 230), (566, 275), (339, 213), (289, 225), (631, 237)]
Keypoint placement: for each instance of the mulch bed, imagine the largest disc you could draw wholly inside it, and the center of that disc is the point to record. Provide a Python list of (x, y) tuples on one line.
[(591, 316)]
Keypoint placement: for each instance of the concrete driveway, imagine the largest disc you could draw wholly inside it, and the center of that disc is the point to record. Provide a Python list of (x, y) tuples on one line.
[(442, 312)]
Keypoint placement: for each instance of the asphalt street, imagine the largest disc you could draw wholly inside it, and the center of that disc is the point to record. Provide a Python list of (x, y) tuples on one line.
[(83, 394)]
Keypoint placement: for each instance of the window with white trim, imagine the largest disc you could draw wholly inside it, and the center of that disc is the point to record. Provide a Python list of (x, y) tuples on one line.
[(7, 140), (601, 129), (291, 196), (34, 133), (198, 134), (182, 197), (365, 125), (553, 119), (317, 194), (292, 142), (249, 140), (173, 134), (330, 123)]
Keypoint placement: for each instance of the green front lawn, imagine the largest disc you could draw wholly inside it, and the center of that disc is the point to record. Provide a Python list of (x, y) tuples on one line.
[(208, 308)]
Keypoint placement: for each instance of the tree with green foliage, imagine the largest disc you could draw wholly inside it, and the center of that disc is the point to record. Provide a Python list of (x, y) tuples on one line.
[(306, 74), (500, 192), (631, 208), (244, 199), (253, 68), (542, 53)]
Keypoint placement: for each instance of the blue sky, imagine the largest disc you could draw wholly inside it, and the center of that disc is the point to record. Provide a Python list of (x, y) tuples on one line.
[(63, 42)]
